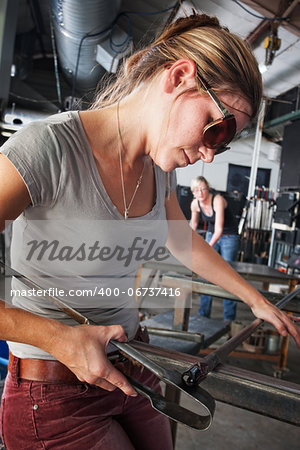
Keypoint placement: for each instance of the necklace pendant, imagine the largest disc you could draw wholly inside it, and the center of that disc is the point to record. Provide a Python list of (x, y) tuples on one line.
[(126, 214)]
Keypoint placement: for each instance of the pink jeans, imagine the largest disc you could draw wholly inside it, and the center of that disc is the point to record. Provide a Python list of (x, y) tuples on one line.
[(37, 415)]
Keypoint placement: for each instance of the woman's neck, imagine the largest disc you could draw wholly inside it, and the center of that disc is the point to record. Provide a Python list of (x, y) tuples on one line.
[(101, 128), (207, 201)]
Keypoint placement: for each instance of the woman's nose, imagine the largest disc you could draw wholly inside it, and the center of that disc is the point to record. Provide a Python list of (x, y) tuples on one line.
[(206, 154)]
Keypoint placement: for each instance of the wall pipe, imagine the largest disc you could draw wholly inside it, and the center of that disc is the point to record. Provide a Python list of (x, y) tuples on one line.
[(256, 151), (294, 115), (79, 26)]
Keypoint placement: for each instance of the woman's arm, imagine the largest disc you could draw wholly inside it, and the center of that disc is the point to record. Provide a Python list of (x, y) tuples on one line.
[(194, 215), (206, 262), (81, 348), (219, 206)]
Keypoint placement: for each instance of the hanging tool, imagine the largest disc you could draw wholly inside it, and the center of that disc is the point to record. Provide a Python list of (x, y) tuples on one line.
[(271, 44)]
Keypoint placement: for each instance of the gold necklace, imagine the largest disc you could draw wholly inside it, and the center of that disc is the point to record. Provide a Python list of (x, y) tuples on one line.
[(126, 208)]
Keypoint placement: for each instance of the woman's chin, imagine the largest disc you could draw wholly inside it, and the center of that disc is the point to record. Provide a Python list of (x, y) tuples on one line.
[(166, 166)]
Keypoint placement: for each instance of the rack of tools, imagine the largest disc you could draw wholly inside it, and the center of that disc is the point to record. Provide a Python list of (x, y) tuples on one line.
[(255, 226), (285, 229)]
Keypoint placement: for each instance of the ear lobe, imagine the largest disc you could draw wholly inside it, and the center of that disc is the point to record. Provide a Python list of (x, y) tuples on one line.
[(181, 73)]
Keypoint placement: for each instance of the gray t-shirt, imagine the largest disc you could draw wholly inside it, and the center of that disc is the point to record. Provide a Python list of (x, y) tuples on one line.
[(72, 239)]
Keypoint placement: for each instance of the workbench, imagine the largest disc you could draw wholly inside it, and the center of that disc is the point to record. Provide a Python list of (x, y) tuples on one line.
[(267, 275), (249, 271), (241, 388), (222, 385), (175, 275), (211, 330), (196, 285)]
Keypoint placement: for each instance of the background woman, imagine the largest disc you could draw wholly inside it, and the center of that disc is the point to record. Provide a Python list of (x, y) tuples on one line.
[(221, 234)]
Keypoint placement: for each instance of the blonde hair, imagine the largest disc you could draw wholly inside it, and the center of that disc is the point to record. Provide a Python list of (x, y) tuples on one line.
[(223, 59), (197, 180)]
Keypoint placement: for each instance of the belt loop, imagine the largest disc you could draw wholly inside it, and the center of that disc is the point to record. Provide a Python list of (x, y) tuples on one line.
[(15, 369)]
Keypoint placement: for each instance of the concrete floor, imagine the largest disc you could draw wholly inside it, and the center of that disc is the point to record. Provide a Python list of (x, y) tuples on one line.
[(234, 428)]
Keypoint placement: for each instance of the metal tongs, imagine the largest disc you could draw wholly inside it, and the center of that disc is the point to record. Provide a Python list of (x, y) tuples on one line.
[(186, 382)]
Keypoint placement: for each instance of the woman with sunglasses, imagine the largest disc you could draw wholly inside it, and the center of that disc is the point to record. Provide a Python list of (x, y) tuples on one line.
[(178, 101), (221, 234)]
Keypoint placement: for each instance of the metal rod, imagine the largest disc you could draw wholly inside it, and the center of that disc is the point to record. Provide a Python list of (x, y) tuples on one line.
[(176, 334), (242, 388), (218, 356), (55, 300)]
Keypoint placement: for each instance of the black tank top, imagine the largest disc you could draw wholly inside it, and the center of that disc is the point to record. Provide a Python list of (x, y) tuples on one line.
[(230, 222)]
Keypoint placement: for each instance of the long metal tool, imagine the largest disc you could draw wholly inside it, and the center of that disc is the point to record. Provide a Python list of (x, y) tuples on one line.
[(199, 371), (176, 334), (199, 421)]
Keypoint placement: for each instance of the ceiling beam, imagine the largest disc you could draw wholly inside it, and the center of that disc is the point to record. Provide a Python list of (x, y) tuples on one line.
[(285, 9), (255, 34)]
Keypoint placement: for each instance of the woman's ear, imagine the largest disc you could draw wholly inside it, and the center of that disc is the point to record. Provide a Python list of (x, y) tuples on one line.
[(180, 74)]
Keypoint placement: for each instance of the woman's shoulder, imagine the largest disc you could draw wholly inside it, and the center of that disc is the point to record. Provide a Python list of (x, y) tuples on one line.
[(195, 206), (41, 129), (219, 200)]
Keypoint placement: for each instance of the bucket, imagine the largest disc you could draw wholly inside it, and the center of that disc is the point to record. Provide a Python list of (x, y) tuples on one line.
[(272, 342)]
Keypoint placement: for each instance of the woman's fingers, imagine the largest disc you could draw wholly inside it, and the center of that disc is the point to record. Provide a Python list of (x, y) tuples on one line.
[(292, 329), (89, 360), (102, 372), (115, 332), (117, 379), (294, 318), (109, 378), (112, 375), (282, 322), (284, 325)]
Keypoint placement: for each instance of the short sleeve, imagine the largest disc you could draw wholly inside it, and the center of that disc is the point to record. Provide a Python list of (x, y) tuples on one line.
[(36, 154)]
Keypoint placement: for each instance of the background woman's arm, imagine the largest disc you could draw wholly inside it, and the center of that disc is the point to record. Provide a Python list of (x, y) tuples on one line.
[(219, 209), (194, 215)]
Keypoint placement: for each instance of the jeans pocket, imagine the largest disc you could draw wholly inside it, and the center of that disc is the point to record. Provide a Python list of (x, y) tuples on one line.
[(56, 393), (56, 411)]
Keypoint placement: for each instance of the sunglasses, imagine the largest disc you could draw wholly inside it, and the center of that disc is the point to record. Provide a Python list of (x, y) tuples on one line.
[(197, 189), (220, 132)]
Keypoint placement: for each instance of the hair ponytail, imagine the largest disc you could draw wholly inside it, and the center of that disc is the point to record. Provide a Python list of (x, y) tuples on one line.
[(223, 59)]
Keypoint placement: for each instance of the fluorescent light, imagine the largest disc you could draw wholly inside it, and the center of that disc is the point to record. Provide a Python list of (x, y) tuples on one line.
[(6, 134), (263, 68)]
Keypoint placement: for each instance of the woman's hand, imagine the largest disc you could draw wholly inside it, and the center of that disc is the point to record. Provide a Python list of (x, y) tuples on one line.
[(282, 322), (82, 349)]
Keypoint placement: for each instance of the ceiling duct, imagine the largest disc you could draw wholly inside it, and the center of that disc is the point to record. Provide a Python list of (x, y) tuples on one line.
[(74, 20)]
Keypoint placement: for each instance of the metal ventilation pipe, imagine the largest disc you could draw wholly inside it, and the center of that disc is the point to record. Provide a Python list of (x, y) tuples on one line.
[(74, 19)]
